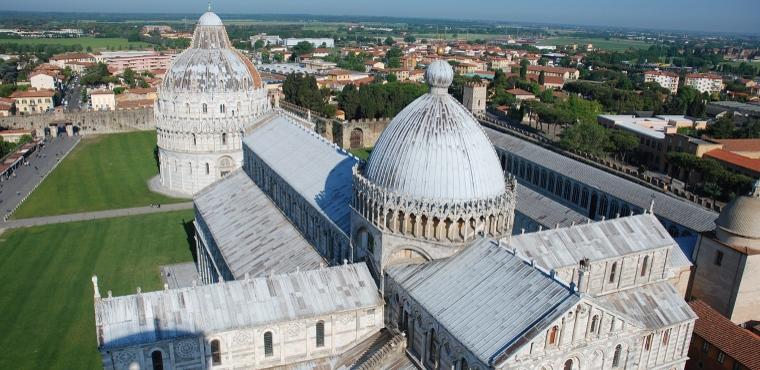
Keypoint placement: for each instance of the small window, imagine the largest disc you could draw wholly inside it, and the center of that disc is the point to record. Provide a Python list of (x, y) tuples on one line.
[(613, 271), (666, 337), (320, 334), (553, 332), (222, 108), (224, 138), (705, 347), (616, 356), (205, 108), (721, 357), (216, 352), (594, 324), (568, 365), (464, 365), (208, 169), (157, 360), (648, 342), (268, 348), (718, 258), (644, 266)]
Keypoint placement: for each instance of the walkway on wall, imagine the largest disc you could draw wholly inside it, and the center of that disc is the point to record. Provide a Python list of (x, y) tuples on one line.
[(111, 213)]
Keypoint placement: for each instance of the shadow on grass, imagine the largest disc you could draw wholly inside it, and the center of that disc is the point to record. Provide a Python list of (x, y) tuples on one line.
[(190, 233)]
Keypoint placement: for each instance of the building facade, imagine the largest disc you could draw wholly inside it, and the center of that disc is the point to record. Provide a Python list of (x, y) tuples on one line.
[(668, 80), (705, 82), (209, 97)]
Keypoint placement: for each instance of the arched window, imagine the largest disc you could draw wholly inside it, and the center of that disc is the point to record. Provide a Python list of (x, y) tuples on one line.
[(464, 365), (224, 138), (268, 348), (553, 333), (205, 108), (320, 334), (208, 169), (616, 356), (594, 324), (433, 349), (666, 337), (187, 107), (569, 365), (648, 342), (222, 108), (613, 272), (216, 352), (584, 197), (195, 140), (157, 360), (644, 266)]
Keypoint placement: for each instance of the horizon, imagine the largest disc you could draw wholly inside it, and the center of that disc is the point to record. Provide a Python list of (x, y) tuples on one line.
[(695, 15)]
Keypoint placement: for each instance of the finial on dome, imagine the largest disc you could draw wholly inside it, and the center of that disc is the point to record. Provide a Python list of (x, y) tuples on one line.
[(439, 76), (209, 5)]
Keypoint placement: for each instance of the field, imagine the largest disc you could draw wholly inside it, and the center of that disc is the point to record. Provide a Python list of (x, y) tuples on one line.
[(93, 42), (103, 172), (599, 43), (362, 154), (46, 299)]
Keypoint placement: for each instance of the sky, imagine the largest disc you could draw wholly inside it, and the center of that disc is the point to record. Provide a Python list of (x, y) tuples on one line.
[(694, 15)]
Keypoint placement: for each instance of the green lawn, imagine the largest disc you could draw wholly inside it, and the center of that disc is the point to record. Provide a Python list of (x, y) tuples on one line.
[(362, 154), (93, 42), (103, 172), (599, 43), (46, 298)]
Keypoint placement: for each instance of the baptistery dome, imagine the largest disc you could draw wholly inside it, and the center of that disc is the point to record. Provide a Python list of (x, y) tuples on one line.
[(739, 221), (209, 96), (435, 149)]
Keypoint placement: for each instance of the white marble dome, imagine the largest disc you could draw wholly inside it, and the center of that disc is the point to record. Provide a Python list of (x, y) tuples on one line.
[(435, 149), (739, 222), (209, 97)]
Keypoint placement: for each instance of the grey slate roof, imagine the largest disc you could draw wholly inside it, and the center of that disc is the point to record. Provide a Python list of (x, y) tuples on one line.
[(676, 210), (315, 168), (149, 317), (544, 210), (485, 296), (653, 306), (600, 240), (249, 230)]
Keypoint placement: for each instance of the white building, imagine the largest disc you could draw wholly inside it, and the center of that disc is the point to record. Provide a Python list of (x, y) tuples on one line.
[(425, 272), (317, 42), (667, 80), (705, 82), (43, 81), (103, 100), (209, 97)]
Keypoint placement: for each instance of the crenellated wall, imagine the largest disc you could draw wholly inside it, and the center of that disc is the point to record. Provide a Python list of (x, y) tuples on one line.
[(87, 122)]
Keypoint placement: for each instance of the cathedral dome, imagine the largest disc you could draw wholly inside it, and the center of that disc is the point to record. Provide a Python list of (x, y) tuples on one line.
[(211, 64), (739, 222), (435, 149)]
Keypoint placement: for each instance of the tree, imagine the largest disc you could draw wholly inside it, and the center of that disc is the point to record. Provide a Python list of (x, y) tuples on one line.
[(410, 39), (258, 44), (389, 41), (588, 137), (524, 69), (543, 61), (393, 57), (392, 77), (723, 128), (541, 78), (623, 142), (303, 47)]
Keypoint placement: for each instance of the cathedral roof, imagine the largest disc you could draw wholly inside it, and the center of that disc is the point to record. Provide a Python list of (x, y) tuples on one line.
[(250, 232), (596, 241), (486, 297), (317, 170), (211, 64), (435, 149), (149, 317), (652, 306)]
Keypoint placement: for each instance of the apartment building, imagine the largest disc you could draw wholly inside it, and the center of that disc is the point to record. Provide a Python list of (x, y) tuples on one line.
[(705, 82), (668, 80)]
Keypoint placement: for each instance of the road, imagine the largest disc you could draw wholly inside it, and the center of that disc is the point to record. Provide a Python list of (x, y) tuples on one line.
[(27, 177), (111, 213), (73, 95)]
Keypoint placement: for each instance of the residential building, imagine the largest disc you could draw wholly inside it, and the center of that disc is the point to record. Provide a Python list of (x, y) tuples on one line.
[(7, 106), (64, 60), (41, 80), (33, 101), (13, 136), (727, 261), (705, 82), (718, 343), (521, 94), (668, 80), (316, 42), (103, 100), (139, 63), (735, 162)]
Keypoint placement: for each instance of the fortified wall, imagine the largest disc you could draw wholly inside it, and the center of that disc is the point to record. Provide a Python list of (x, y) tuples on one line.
[(361, 133), (85, 123)]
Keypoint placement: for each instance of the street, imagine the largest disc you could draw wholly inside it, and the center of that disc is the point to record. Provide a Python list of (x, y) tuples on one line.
[(27, 177), (73, 95)]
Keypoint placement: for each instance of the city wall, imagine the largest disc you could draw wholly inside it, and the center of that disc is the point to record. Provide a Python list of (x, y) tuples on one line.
[(85, 123)]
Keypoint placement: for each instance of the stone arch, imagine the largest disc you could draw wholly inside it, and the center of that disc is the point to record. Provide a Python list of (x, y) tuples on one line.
[(226, 165), (408, 254), (364, 240), (356, 140)]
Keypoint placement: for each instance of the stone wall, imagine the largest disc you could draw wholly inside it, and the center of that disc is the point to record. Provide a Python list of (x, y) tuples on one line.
[(87, 123), (361, 133)]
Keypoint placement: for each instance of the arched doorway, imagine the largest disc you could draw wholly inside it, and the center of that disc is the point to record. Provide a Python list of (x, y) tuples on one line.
[(357, 138), (226, 165)]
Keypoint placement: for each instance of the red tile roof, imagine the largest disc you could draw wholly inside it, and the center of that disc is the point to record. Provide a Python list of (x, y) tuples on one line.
[(549, 69), (518, 92), (740, 145), (735, 159), (661, 73), (33, 94), (740, 344)]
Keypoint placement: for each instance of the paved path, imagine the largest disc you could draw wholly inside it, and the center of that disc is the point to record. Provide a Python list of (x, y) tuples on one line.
[(111, 213), (27, 177)]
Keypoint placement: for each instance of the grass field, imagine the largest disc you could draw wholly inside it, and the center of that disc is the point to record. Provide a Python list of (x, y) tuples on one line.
[(46, 298), (362, 154), (103, 172), (599, 43), (94, 43)]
